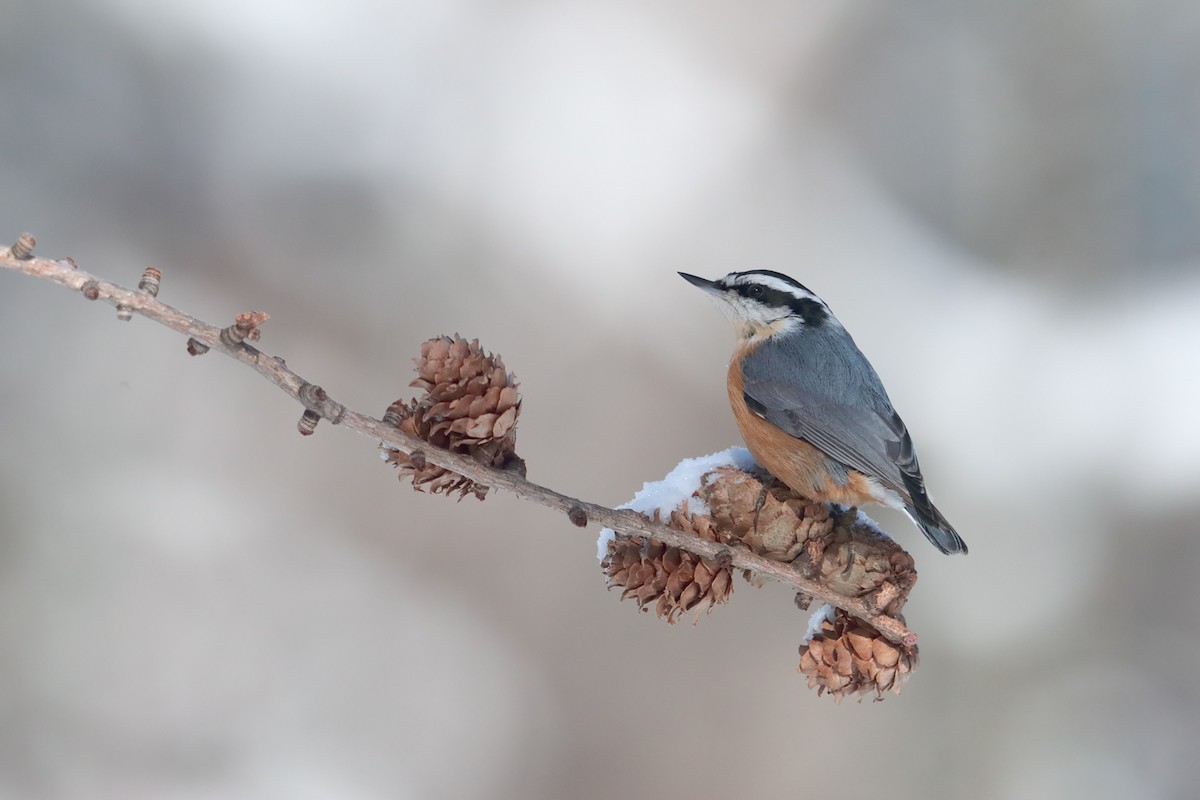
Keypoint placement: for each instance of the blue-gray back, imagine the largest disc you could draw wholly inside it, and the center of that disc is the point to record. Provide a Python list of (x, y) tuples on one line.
[(816, 385)]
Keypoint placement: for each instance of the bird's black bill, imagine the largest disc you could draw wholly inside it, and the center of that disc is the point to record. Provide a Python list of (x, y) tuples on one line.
[(703, 283)]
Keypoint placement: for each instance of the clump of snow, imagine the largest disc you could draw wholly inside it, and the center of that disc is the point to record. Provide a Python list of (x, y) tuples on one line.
[(821, 615), (670, 493), (606, 537)]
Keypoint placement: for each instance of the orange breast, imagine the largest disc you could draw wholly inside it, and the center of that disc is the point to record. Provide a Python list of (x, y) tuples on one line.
[(800, 465)]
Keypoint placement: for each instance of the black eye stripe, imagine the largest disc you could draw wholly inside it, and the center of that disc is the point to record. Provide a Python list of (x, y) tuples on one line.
[(809, 310), (764, 294)]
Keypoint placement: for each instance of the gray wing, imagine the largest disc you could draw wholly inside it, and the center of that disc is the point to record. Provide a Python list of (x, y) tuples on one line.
[(826, 393), (863, 439)]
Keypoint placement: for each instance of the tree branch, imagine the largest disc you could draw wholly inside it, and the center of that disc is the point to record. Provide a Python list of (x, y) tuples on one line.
[(318, 405)]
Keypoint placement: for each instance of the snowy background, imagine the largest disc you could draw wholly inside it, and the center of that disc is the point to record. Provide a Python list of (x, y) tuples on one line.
[(1000, 201)]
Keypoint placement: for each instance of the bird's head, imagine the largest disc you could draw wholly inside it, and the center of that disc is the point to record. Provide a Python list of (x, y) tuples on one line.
[(762, 304)]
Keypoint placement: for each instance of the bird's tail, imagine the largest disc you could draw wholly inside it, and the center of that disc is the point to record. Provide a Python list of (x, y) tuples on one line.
[(937, 529)]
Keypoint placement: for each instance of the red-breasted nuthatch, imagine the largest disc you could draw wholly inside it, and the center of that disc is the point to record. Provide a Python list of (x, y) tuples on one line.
[(810, 407)]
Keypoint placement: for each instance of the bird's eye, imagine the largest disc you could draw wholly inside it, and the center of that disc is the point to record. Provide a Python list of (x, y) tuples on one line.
[(754, 291)]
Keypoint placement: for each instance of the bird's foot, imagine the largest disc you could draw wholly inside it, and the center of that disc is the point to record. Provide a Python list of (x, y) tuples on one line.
[(768, 482)]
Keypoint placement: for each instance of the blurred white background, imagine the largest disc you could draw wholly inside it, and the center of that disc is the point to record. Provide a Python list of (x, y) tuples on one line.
[(999, 200)]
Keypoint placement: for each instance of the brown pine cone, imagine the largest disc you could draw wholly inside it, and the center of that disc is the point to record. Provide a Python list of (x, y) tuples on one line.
[(851, 557), (470, 406), (848, 656), (671, 580)]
